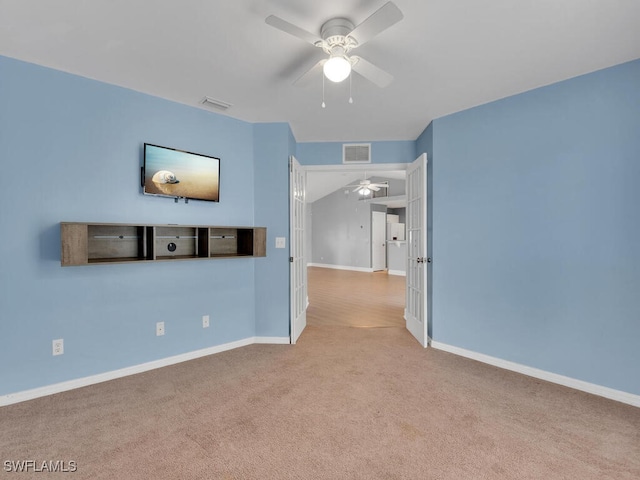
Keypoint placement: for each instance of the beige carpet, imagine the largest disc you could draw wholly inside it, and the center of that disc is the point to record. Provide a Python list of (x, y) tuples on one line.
[(344, 403)]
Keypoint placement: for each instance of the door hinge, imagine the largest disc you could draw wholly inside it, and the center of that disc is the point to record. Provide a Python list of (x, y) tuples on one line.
[(291, 259)]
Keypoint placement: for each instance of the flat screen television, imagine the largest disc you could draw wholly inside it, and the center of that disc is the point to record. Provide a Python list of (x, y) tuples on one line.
[(169, 172)]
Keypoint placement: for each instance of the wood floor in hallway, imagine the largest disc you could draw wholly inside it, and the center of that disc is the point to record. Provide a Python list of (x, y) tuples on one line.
[(355, 299)]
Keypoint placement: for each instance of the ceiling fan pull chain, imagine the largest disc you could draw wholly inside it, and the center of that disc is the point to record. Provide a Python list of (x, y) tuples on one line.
[(350, 97), (323, 105)]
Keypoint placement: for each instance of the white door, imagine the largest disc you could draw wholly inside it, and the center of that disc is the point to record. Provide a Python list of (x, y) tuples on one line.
[(298, 273), (416, 309), (378, 241)]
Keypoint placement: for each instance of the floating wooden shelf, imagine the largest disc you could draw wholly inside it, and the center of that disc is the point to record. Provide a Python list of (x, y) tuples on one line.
[(94, 243)]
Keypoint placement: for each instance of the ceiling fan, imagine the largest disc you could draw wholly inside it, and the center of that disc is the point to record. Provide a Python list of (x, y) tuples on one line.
[(338, 37), (365, 187)]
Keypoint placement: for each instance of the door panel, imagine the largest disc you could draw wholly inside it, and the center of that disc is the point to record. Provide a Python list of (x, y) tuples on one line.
[(298, 264), (416, 308)]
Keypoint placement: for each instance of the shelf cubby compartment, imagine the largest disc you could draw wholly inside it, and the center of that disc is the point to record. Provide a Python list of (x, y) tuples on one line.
[(84, 244), (176, 242), (237, 242), (117, 243)]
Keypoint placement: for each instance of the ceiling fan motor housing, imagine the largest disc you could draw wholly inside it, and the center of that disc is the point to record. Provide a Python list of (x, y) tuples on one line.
[(334, 34)]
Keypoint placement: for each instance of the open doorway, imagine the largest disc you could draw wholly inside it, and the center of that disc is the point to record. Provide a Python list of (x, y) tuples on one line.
[(347, 243)]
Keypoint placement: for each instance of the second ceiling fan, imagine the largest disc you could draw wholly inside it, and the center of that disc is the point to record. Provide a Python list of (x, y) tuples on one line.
[(365, 187), (338, 37)]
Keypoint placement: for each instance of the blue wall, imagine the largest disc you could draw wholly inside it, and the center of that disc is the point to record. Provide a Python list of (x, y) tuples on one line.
[(536, 228), (71, 151), (273, 143)]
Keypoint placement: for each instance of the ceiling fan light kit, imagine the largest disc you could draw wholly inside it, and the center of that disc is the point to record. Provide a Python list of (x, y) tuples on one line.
[(337, 68)]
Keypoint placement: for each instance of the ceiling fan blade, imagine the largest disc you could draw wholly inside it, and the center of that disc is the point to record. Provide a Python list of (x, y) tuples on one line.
[(373, 187), (291, 29), (356, 189), (379, 21), (380, 185), (369, 71), (303, 79)]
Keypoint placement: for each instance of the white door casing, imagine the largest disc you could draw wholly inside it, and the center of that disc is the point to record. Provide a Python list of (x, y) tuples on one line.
[(298, 264), (378, 241), (416, 289)]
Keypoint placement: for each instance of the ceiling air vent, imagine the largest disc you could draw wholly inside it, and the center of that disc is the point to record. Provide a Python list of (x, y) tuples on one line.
[(212, 102), (356, 153)]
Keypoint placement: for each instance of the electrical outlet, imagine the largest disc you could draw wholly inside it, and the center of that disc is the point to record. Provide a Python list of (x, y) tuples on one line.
[(159, 329), (205, 321), (281, 242), (58, 346)]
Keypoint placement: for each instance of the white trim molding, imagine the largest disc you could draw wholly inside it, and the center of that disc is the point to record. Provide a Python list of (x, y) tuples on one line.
[(610, 393), (25, 395), (340, 267), (400, 273), (272, 340)]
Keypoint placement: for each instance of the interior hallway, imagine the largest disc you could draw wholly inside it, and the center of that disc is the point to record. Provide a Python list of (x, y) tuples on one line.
[(355, 299)]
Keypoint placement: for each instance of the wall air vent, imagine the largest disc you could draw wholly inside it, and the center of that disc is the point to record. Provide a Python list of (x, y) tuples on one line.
[(356, 153), (212, 102)]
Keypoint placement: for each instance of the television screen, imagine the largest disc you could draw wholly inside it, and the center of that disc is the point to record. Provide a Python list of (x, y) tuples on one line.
[(176, 173)]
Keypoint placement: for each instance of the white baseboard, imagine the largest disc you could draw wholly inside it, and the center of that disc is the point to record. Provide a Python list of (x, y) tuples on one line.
[(340, 267), (610, 393), (273, 340), (124, 372), (400, 273)]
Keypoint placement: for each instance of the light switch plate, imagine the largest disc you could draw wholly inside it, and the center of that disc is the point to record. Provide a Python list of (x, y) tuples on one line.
[(281, 242)]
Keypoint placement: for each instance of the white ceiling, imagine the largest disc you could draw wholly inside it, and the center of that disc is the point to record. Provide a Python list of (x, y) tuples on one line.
[(446, 55), (325, 181)]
